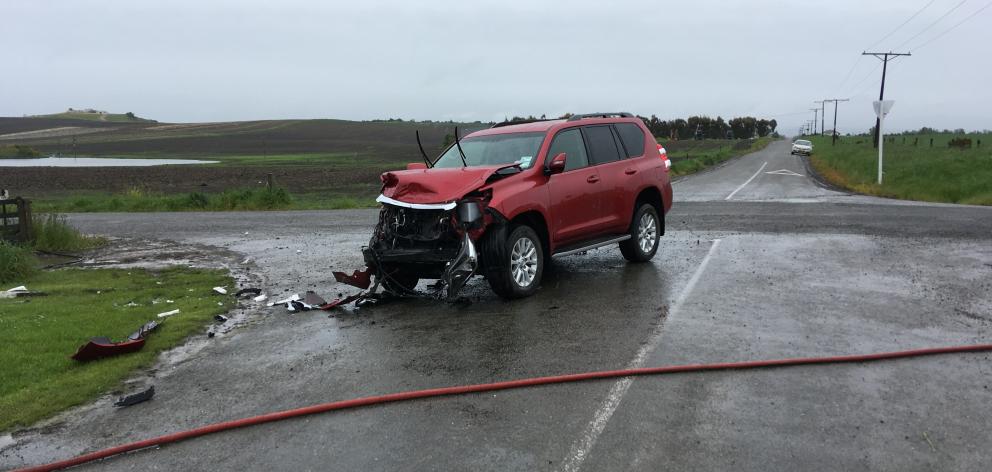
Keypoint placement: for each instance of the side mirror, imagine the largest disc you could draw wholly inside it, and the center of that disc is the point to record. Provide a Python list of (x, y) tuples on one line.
[(416, 165), (557, 164)]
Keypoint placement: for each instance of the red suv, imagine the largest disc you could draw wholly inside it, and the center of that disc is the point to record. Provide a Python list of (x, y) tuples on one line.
[(501, 202)]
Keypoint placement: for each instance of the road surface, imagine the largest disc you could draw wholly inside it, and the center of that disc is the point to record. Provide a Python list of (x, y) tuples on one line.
[(758, 263)]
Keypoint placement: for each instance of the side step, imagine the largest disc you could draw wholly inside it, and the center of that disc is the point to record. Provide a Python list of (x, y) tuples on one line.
[(569, 250)]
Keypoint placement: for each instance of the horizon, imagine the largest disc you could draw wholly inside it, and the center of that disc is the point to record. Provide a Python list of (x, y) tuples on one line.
[(244, 61)]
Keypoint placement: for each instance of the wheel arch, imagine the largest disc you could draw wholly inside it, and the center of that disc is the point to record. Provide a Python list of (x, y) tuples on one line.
[(653, 196)]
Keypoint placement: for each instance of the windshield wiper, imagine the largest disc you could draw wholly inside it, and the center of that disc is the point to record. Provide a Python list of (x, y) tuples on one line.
[(427, 160), (459, 145)]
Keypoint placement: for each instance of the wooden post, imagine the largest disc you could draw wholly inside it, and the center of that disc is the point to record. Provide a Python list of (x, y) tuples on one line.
[(269, 181), (24, 219)]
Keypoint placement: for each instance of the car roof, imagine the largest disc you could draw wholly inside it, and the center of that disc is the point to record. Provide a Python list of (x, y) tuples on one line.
[(550, 125)]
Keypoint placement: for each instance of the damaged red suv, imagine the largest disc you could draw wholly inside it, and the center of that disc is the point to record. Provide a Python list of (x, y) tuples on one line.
[(501, 202)]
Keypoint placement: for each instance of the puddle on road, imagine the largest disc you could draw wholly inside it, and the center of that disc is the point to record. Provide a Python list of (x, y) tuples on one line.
[(95, 162)]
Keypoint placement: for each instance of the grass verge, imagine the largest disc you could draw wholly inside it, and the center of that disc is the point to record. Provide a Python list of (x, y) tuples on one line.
[(689, 157), (138, 199), (38, 334), (16, 262), (913, 170)]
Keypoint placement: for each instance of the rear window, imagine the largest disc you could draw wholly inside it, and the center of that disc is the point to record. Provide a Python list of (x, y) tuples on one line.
[(602, 146), (632, 137)]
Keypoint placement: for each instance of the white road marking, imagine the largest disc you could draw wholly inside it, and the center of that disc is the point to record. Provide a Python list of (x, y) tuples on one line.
[(745, 183), (581, 447), (784, 172)]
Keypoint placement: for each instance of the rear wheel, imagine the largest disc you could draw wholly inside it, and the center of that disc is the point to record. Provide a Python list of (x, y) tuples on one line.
[(645, 232), (514, 266)]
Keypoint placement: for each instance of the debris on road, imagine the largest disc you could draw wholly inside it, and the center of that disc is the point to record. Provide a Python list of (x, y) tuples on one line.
[(340, 301), (359, 278), (220, 290), (136, 398), (285, 301), (220, 318), (100, 347), (168, 313), (260, 298), (248, 291), (311, 298)]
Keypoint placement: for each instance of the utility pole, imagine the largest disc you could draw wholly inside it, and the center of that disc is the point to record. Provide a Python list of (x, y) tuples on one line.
[(833, 140), (884, 57), (823, 115), (815, 111)]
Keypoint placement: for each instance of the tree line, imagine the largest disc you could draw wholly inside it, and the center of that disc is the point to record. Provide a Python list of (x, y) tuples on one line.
[(694, 127)]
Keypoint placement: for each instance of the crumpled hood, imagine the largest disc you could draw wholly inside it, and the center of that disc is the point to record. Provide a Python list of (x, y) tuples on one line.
[(434, 185)]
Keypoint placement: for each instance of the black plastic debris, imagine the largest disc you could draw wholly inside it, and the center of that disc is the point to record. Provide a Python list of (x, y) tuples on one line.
[(251, 291), (136, 398), (220, 318)]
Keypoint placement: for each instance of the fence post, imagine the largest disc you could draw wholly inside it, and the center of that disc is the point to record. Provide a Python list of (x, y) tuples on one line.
[(24, 219), (931, 142), (269, 181)]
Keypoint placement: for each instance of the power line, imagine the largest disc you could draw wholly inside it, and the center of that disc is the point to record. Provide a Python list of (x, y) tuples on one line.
[(884, 57), (931, 25), (948, 30), (863, 79), (902, 24)]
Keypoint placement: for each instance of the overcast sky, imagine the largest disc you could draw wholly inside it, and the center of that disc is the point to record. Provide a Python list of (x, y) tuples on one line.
[(183, 61)]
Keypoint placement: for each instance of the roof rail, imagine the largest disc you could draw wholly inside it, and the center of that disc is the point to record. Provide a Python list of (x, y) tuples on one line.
[(520, 122), (621, 114)]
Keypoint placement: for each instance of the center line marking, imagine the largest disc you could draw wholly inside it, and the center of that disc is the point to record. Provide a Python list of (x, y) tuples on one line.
[(581, 447), (745, 183)]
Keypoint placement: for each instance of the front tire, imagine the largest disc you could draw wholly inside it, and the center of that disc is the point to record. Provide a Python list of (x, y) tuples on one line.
[(645, 233), (514, 266), (396, 282)]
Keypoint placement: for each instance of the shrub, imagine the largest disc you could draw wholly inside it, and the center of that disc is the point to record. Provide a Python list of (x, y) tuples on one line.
[(52, 232), (16, 262), (960, 143)]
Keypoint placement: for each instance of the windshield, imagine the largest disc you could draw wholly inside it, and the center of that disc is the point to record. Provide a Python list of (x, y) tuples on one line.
[(803, 142), (496, 149)]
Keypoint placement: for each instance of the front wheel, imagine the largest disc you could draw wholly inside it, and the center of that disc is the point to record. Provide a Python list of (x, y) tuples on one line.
[(514, 267), (645, 233)]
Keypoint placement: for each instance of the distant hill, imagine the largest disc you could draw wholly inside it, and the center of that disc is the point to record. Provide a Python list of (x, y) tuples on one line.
[(96, 115), (392, 141)]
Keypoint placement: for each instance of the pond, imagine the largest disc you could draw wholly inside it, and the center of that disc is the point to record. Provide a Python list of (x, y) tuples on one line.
[(95, 162)]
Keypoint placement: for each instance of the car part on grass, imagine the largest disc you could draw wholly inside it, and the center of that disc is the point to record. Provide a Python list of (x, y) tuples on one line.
[(20, 291), (100, 347), (220, 318), (479, 388), (220, 290), (136, 398), (168, 313)]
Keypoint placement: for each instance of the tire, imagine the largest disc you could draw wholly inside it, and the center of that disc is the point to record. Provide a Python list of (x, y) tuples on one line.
[(397, 282), (513, 265), (645, 233)]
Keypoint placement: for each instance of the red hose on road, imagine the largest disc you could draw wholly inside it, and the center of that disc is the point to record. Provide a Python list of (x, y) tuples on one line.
[(459, 390)]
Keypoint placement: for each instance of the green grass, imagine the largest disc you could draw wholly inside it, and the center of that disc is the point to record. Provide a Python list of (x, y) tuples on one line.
[(138, 199), (937, 174), (38, 334), (17, 151), (16, 262), (689, 157)]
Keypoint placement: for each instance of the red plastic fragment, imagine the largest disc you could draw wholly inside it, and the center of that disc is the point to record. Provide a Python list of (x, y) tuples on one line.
[(99, 348), (360, 278), (340, 301)]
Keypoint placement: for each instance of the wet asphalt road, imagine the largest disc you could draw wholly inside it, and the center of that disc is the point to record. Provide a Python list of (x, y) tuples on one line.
[(758, 263)]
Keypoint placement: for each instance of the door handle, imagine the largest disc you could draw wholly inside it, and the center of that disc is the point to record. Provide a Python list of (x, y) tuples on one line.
[(592, 179), (630, 171)]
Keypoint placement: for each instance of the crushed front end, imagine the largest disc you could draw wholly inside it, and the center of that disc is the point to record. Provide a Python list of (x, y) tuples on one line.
[(425, 241)]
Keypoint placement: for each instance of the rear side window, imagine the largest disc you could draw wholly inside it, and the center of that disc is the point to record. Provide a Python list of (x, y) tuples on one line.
[(602, 146), (632, 137), (570, 143)]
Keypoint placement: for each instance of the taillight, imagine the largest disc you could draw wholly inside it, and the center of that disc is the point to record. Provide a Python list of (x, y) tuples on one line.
[(664, 157)]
